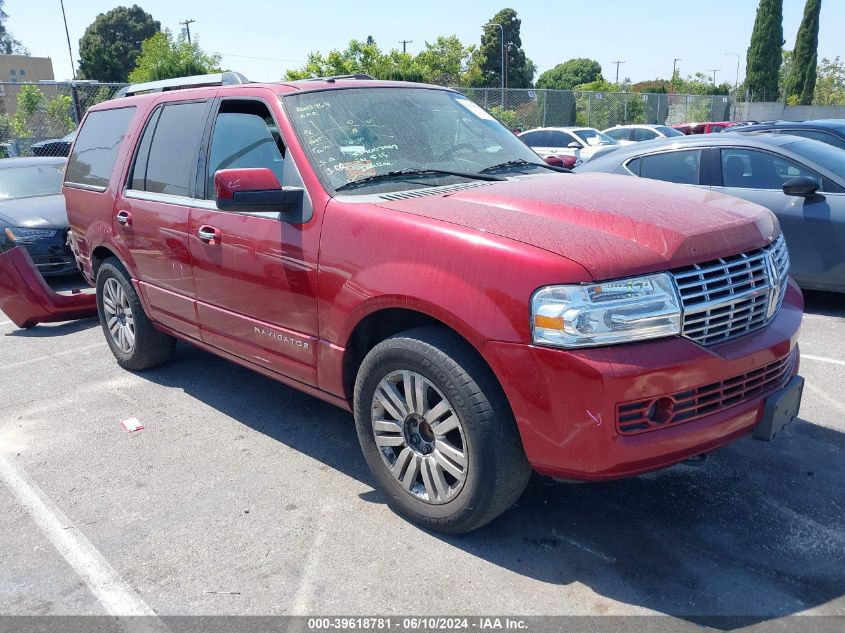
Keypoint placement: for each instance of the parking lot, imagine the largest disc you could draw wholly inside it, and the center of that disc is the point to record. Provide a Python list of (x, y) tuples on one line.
[(243, 496)]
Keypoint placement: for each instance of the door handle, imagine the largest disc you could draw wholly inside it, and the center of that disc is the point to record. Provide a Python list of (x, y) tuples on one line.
[(124, 218), (209, 234)]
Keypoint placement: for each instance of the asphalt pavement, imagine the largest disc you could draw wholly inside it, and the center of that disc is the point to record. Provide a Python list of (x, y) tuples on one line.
[(243, 496)]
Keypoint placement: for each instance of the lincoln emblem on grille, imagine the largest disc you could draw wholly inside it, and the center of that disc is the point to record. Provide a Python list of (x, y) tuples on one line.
[(774, 281)]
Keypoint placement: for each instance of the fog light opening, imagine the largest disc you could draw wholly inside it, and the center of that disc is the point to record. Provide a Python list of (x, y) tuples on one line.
[(661, 411)]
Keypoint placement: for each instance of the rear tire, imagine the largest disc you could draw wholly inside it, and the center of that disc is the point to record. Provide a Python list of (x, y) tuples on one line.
[(437, 431), (133, 339)]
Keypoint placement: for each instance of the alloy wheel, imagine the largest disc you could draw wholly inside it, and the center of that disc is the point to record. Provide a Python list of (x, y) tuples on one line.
[(118, 313), (419, 436)]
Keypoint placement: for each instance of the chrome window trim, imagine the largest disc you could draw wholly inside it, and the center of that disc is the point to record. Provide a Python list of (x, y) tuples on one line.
[(84, 186)]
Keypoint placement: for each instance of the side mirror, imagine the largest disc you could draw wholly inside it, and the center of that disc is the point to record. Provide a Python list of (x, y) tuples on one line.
[(554, 161), (801, 186), (575, 145), (254, 190)]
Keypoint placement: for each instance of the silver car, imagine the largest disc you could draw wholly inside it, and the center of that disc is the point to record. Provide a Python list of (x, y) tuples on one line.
[(801, 180)]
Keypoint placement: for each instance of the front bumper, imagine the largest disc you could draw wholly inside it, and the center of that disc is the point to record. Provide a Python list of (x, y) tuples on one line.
[(26, 298), (566, 401)]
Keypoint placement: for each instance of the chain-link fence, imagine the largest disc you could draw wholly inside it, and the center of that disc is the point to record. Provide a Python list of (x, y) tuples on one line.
[(523, 109), (38, 119)]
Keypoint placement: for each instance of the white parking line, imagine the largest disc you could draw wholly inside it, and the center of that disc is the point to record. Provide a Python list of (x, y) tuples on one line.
[(6, 322), (304, 593), (823, 359), (117, 597), (75, 350)]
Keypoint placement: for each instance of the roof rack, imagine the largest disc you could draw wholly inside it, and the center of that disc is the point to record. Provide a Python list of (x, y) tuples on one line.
[(336, 77), (180, 83)]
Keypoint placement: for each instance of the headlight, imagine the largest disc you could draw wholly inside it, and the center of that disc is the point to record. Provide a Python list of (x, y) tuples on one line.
[(21, 234), (606, 313)]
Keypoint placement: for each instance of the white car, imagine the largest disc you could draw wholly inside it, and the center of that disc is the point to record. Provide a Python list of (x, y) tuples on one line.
[(628, 134), (582, 142)]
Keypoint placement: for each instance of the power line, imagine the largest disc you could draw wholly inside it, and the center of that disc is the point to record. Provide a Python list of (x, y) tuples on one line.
[(404, 43), (187, 24)]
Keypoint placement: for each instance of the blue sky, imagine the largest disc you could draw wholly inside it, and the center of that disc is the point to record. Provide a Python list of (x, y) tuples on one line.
[(262, 38)]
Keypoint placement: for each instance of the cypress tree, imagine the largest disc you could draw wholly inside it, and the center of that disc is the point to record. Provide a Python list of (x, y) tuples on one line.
[(801, 81), (765, 53)]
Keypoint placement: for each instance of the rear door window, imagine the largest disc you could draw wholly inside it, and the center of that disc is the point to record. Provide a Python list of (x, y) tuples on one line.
[(168, 164), (753, 169), (535, 139), (681, 167), (817, 135), (92, 161), (644, 134)]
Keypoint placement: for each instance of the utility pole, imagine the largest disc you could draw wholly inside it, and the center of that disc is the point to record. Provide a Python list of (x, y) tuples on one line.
[(714, 71), (507, 63), (187, 24), (404, 43), (618, 63), (674, 67), (736, 82), (74, 96)]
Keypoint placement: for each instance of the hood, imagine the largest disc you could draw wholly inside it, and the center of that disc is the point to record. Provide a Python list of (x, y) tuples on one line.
[(613, 226), (37, 212)]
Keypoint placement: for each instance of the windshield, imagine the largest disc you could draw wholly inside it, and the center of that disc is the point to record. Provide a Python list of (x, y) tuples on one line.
[(827, 156), (30, 180), (667, 131), (357, 133), (594, 138)]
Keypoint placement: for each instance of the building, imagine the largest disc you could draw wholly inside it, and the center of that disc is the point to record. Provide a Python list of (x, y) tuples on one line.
[(21, 69)]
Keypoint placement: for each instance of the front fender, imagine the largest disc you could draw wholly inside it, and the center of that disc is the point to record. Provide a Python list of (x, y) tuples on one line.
[(27, 299)]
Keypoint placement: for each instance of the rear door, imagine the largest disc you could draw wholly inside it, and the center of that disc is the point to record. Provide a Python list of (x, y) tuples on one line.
[(812, 228), (255, 285), (152, 216)]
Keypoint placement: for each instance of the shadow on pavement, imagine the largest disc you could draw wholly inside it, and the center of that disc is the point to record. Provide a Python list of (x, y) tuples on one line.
[(757, 531), (824, 303), (46, 330)]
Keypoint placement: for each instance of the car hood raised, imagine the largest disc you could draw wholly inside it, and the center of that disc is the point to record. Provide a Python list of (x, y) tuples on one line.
[(37, 212), (613, 226)]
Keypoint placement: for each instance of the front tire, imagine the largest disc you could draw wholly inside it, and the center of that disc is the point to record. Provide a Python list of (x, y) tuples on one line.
[(437, 431), (133, 340)]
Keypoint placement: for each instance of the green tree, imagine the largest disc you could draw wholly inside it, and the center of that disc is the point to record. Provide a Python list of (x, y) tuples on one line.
[(30, 99), (358, 58), (8, 44), (570, 73), (59, 115), (765, 52), (5, 126), (446, 61), (109, 49), (800, 83), (163, 57), (520, 69), (830, 82)]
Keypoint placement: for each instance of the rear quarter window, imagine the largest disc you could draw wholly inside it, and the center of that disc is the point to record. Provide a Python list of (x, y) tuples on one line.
[(96, 148)]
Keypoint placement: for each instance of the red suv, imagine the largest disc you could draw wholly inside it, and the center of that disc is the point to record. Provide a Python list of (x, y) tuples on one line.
[(391, 248)]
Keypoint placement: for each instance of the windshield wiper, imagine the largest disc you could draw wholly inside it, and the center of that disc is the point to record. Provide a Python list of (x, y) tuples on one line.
[(413, 171), (520, 162)]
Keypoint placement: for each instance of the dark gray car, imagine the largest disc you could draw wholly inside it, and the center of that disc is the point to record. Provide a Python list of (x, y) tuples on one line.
[(32, 212), (802, 181)]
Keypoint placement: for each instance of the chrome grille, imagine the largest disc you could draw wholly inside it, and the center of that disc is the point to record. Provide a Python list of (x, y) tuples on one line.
[(732, 296)]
